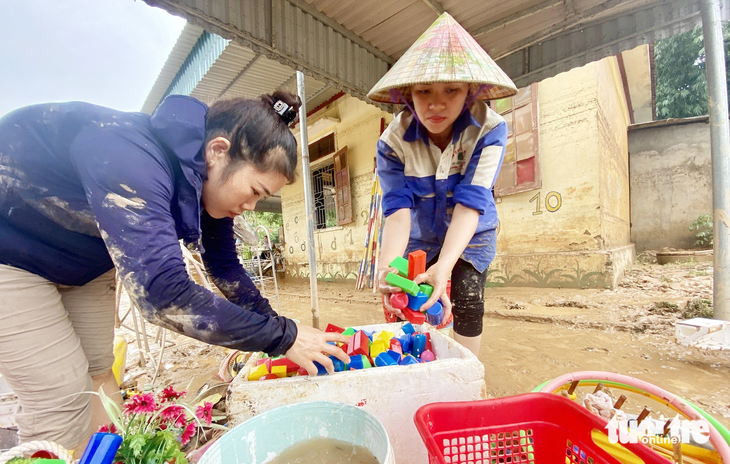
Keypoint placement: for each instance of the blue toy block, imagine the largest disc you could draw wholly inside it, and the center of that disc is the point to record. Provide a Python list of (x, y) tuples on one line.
[(384, 359), (320, 368), (405, 343), (356, 362), (419, 344), (407, 360), (408, 328), (435, 314), (101, 449), (339, 365), (394, 354), (415, 302)]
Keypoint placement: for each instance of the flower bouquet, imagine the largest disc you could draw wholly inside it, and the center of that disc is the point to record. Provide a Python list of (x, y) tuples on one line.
[(155, 427)]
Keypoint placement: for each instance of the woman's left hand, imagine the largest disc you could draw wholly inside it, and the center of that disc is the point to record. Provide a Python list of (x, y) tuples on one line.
[(437, 276), (311, 345)]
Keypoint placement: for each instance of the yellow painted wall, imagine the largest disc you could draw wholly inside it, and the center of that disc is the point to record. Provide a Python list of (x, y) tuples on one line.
[(338, 250)]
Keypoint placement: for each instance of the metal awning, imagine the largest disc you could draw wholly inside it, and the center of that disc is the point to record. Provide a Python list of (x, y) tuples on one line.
[(349, 44)]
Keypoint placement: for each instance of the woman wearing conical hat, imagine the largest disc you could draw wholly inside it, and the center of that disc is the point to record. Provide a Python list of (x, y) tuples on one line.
[(438, 161)]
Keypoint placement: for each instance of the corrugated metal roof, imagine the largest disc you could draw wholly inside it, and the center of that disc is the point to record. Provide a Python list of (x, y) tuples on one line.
[(349, 44), (184, 44)]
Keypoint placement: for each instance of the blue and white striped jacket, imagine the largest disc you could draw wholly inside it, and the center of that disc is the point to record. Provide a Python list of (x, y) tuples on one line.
[(416, 174)]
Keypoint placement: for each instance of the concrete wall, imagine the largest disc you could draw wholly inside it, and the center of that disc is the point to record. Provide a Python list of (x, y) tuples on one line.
[(574, 231), (338, 249), (671, 181)]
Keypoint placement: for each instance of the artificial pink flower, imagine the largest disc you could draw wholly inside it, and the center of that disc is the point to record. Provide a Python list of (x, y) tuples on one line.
[(174, 414), (110, 428), (169, 394), (205, 412), (141, 403), (187, 434)]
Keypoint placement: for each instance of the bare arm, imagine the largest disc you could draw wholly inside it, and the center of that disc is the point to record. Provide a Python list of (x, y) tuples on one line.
[(396, 231)]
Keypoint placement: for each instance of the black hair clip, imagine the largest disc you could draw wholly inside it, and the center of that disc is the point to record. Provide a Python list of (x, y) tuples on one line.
[(287, 113)]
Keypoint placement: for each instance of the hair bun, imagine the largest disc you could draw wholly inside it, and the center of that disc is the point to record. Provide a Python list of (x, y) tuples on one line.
[(290, 107)]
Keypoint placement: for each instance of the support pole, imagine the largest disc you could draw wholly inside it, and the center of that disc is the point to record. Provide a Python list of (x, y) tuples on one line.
[(720, 149), (308, 198)]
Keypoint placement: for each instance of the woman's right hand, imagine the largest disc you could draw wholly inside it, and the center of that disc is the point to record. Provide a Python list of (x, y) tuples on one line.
[(386, 290), (311, 345)]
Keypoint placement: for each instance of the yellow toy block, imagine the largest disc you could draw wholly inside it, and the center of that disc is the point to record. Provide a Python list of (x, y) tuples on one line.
[(280, 371), (376, 348), (258, 372), (385, 337)]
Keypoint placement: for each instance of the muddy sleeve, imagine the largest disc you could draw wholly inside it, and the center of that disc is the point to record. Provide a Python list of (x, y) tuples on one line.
[(474, 189), (221, 262), (396, 194), (130, 192)]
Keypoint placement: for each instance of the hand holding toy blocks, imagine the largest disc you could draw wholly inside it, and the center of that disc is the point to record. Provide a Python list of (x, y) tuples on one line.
[(414, 295)]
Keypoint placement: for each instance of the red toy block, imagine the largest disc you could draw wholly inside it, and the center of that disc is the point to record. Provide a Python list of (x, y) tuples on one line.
[(395, 345), (269, 377), (291, 366), (266, 361), (428, 342), (334, 328), (416, 263), (399, 300), (359, 344), (414, 317), (302, 371)]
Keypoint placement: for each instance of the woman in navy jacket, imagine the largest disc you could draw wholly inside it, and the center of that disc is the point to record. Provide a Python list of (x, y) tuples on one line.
[(86, 189)]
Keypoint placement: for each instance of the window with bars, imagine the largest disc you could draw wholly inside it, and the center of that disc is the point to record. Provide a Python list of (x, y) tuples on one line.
[(521, 166), (331, 190)]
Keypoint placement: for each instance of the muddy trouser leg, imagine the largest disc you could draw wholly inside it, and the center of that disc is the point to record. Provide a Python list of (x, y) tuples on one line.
[(467, 297), (45, 332)]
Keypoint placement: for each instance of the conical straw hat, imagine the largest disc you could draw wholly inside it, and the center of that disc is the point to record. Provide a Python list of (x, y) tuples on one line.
[(445, 53)]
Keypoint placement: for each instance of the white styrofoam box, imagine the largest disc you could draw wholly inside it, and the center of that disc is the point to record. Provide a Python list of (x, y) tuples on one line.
[(713, 334), (392, 393)]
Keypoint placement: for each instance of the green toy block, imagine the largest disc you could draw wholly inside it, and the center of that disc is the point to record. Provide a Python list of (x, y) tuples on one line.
[(401, 264), (366, 363), (426, 289), (349, 332), (404, 284)]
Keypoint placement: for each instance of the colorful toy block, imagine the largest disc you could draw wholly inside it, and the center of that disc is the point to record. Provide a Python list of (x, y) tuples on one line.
[(404, 284), (415, 302), (428, 355), (396, 346), (269, 377), (394, 354), (359, 344), (302, 371), (428, 341), (419, 344), (356, 362), (101, 449), (259, 371), (279, 371), (425, 289), (405, 343), (416, 263), (408, 328), (414, 317), (399, 300), (267, 361), (401, 264), (349, 332), (384, 359), (376, 348), (320, 368), (384, 336), (334, 328), (407, 360), (339, 365), (435, 314)]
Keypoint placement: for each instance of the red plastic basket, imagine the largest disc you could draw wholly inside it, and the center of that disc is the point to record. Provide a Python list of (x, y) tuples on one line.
[(534, 428)]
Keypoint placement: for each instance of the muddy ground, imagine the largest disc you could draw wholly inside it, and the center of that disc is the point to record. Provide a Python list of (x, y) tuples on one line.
[(530, 335)]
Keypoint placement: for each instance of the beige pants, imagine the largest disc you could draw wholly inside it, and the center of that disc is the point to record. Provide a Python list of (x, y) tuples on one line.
[(52, 340)]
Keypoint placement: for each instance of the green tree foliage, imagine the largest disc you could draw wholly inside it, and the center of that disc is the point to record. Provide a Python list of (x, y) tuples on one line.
[(272, 222), (681, 85)]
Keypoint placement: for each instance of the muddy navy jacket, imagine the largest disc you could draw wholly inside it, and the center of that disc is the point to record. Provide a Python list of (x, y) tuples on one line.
[(415, 174), (85, 188)]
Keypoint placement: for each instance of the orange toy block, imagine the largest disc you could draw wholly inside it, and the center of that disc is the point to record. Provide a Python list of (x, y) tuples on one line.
[(416, 263), (258, 372), (414, 317)]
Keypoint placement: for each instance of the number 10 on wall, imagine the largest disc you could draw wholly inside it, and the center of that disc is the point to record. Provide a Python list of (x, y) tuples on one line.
[(553, 202)]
